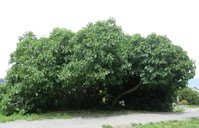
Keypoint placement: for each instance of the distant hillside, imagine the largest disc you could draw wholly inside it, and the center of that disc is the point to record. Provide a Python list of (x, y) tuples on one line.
[(2, 80), (194, 83)]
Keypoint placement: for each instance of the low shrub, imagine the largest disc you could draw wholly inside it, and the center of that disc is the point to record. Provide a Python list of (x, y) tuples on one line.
[(183, 102), (190, 95)]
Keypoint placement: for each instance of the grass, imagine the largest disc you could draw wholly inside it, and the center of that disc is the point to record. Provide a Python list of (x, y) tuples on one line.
[(106, 126), (193, 106), (64, 115), (73, 114), (193, 123), (178, 109), (28, 117)]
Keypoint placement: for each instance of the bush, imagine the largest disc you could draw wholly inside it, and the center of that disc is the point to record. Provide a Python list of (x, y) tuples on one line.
[(190, 95), (183, 102)]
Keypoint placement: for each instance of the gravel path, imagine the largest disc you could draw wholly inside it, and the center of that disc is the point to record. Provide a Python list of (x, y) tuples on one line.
[(121, 121)]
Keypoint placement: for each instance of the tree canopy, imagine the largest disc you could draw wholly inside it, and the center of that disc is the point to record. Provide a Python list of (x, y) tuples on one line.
[(97, 66)]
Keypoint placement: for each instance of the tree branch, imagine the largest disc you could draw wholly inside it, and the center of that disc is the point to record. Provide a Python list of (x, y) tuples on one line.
[(125, 93)]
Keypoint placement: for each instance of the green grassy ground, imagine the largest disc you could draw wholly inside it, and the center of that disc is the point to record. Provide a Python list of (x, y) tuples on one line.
[(178, 109), (193, 106), (71, 114), (64, 115), (193, 123), (51, 115)]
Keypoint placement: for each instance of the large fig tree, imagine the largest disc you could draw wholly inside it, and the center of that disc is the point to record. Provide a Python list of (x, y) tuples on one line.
[(97, 66)]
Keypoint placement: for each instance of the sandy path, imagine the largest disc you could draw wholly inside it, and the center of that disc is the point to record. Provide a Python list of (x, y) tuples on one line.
[(116, 121)]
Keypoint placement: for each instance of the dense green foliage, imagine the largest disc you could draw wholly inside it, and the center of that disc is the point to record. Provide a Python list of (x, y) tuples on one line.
[(95, 67), (150, 99), (189, 95)]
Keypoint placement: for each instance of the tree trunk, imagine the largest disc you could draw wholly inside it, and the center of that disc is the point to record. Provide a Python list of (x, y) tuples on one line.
[(125, 93)]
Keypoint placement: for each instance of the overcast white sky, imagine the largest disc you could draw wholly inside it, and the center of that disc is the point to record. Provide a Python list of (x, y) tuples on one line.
[(178, 19)]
